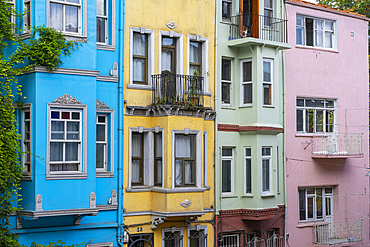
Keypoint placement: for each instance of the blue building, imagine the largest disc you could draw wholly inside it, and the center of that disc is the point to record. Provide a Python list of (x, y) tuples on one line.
[(71, 122)]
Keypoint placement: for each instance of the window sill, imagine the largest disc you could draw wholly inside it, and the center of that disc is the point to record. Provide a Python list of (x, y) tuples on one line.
[(267, 195), (105, 47), (225, 22), (316, 48), (268, 106), (162, 190), (66, 176), (226, 107), (247, 196), (75, 37), (26, 177), (140, 87), (229, 196), (104, 174), (246, 106)]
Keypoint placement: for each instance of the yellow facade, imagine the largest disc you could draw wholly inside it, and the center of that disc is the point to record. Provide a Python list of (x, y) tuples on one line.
[(172, 206)]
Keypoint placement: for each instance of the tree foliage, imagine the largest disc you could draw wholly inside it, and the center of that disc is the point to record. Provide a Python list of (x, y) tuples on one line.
[(358, 6), (17, 56)]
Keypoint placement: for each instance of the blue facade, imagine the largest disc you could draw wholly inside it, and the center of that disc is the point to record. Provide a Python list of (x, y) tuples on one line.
[(72, 123)]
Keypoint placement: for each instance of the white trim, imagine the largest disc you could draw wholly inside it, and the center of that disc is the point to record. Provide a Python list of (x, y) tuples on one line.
[(105, 244), (198, 158), (26, 108), (271, 82), (205, 161), (245, 172), (179, 50), (269, 158), (205, 71), (197, 228), (150, 59), (242, 83), (109, 113), (231, 159), (229, 82), (173, 229), (27, 29)]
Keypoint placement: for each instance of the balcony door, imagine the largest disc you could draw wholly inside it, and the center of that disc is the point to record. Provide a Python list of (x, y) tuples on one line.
[(248, 11), (168, 55), (170, 83)]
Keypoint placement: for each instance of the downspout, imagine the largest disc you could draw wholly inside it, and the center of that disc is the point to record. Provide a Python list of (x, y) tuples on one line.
[(120, 127), (216, 184)]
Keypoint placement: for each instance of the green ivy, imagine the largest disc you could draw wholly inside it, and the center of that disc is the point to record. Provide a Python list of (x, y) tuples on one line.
[(45, 48)]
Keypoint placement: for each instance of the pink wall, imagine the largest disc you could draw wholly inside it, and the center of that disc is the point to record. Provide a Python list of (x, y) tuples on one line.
[(342, 75)]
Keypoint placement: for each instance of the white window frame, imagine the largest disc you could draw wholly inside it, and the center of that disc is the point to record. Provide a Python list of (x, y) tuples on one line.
[(82, 172), (205, 157), (110, 30), (173, 229), (231, 10), (106, 22), (324, 109), (26, 172), (231, 158), (247, 157), (228, 82), (108, 170), (148, 156), (179, 50), (105, 244), (198, 157), (271, 61), (105, 142), (204, 72), (333, 32), (197, 228), (82, 17), (13, 4), (242, 82), (150, 58), (269, 158), (269, 24), (26, 25), (324, 195)]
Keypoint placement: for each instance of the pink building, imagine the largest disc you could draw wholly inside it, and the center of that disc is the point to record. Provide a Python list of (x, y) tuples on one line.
[(327, 137)]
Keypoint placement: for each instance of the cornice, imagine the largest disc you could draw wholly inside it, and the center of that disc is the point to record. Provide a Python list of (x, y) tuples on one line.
[(249, 128), (66, 71), (48, 213)]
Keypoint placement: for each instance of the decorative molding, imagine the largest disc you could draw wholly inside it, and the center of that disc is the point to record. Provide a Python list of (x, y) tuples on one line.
[(92, 200), (48, 213), (105, 47), (66, 71), (186, 203), (67, 100), (166, 214), (253, 213), (39, 202), (107, 78), (228, 127), (107, 207), (171, 25), (237, 128), (115, 70), (156, 221), (114, 197), (171, 110), (101, 105)]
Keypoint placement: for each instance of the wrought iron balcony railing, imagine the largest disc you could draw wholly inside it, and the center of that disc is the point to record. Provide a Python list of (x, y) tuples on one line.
[(258, 26), (342, 144), (182, 90)]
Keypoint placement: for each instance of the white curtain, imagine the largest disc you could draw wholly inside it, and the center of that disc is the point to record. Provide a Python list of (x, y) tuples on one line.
[(188, 172), (73, 130), (136, 145), (139, 49), (56, 16), (158, 145), (57, 130), (194, 53), (56, 151), (135, 171), (166, 60), (184, 146), (71, 15), (71, 151), (178, 179), (158, 168), (101, 7)]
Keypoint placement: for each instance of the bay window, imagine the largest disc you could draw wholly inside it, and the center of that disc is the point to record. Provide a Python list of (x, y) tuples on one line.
[(66, 15), (247, 86), (185, 163), (227, 170)]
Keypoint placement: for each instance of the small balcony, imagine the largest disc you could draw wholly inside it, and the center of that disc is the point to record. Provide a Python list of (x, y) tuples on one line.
[(257, 29), (180, 90), (337, 145)]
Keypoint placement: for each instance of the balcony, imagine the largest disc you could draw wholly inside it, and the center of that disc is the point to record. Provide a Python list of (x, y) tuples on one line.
[(254, 29), (180, 90), (341, 232), (337, 145)]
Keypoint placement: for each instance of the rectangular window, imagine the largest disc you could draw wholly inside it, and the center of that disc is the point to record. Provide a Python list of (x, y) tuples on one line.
[(226, 10), (205, 158), (137, 155), (197, 236), (158, 159), (169, 59), (266, 170), (66, 16), (315, 203), (65, 140), (227, 170), (268, 13), (226, 82), (248, 170), (315, 115), (267, 82), (101, 142), (315, 32), (172, 237), (26, 15), (195, 58), (140, 58), (26, 142), (247, 91), (11, 5), (102, 13), (185, 164)]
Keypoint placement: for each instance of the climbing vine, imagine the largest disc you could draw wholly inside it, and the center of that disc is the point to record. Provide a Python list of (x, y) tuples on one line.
[(45, 47)]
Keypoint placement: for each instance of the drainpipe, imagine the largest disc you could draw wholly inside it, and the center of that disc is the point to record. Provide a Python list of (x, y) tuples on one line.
[(120, 127), (284, 150), (216, 184)]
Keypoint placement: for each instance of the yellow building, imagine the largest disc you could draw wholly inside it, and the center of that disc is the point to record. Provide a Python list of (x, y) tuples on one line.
[(169, 123)]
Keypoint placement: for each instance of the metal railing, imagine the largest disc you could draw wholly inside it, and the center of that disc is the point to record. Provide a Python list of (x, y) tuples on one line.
[(256, 242), (338, 144), (338, 232), (258, 26), (275, 241), (229, 241), (174, 89)]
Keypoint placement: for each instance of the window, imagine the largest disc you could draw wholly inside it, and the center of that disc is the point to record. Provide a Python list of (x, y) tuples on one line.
[(315, 32), (102, 21), (142, 58), (268, 13), (315, 203), (146, 157), (11, 5), (198, 58), (226, 10), (246, 90), (226, 82), (266, 170), (315, 115), (185, 160), (172, 237), (227, 170), (26, 15), (171, 53), (205, 158), (267, 82), (248, 170), (101, 142), (26, 161), (66, 15), (197, 236), (195, 58)]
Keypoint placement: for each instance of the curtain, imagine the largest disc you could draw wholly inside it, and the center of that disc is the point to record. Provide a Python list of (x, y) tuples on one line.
[(100, 30), (56, 16), (136, 145), (167, 60), (194, 53), (73, 130), (56, 151), (71, 151), (139, 70), (178, 169), (100, 132), (158, 172), (100, 151), (135, 171), (101, 7), (71, 16), (184, 146), (57, 130), (189, 172), (158, 145)]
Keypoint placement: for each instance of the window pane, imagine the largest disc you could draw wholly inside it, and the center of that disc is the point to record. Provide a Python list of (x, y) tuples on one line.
[(140, 44), (57, 130), (227, 151), (27, 115), (248, 173), (100, 132), (101, 119), (300, 36), (71, 151), (178, 172), (328, 40), (330, 104), (267, 94), (319, 121), (73, 129), (266, 71), (226, 70), (309, 120), (137, 144), (226, 10), (167, 60), (71, 13), (184, 146), (328, 205), (300, 102), (75, 115), (315, 103), (266, 151), (195, 52), (248, 152), (73, 1), (100, 30), (309, 32), (168, 41), (268, 3), (158, 145), (189, 170), (158, 172), (136, 176), (319, 206), (139, 70), (56, 16), (300, 20), (194, 68), (302, 204), (310, 207), (226, 176), (265, 175), (100, 157), (56, 151), (247, 71), (226, 93), (101, 8), (299, 120), (247, 93), (65, 115), (328, 190), (318, 38)]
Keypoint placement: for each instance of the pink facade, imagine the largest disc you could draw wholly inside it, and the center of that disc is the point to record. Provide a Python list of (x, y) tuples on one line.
[(327, 92)]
